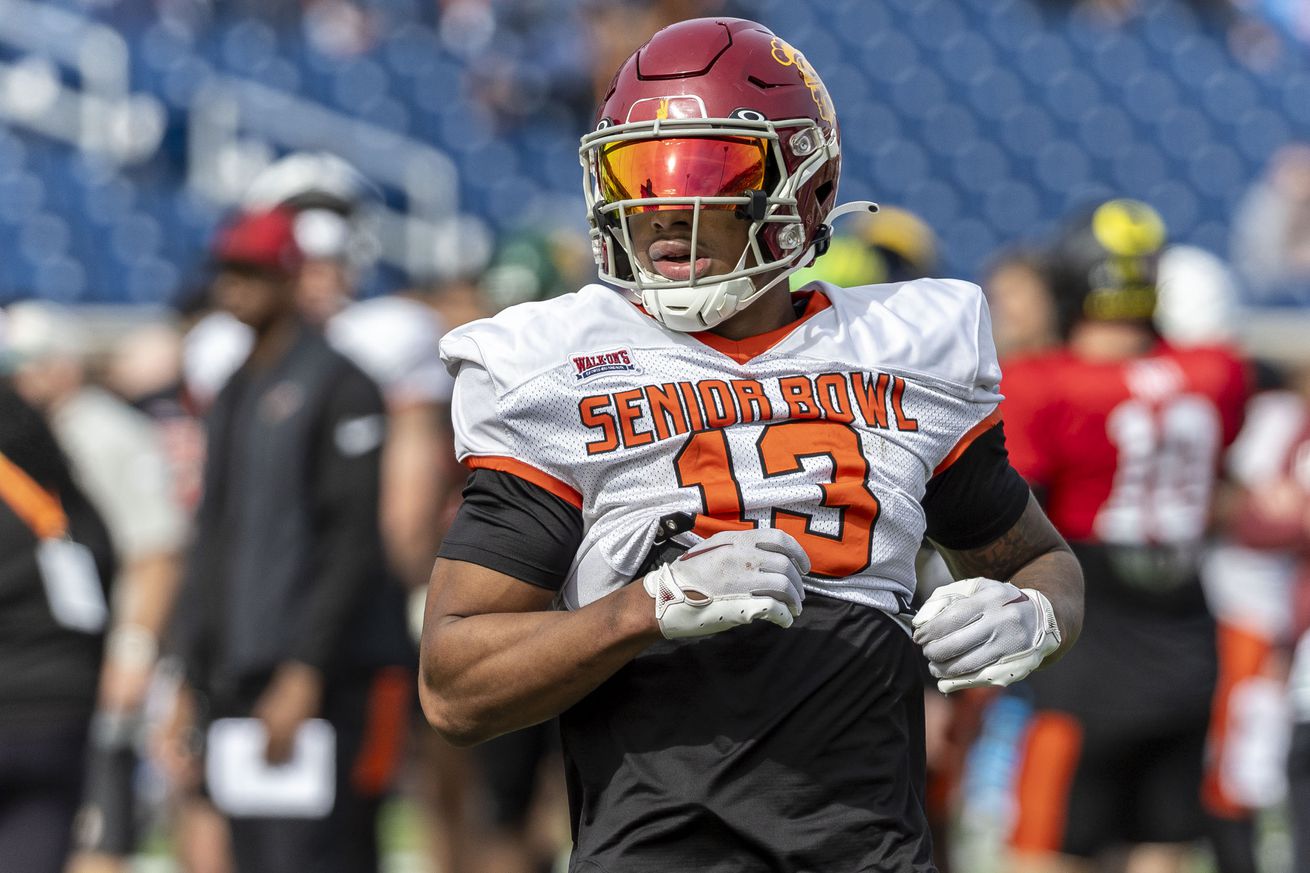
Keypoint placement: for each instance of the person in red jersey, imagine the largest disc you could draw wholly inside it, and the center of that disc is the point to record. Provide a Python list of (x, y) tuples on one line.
[(1122, 435)]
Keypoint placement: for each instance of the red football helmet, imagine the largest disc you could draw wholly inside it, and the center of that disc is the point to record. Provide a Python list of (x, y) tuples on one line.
[(713, 113)]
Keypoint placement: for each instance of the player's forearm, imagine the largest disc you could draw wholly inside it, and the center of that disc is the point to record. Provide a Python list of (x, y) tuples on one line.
[(488, 674), (1058, 575)]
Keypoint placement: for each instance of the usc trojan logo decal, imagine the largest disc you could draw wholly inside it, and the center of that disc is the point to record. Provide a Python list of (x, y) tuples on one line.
[(784, 54), (673, 106)]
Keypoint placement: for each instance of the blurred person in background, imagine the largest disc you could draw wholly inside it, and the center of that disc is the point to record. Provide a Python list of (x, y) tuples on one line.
[(1121, 434), (1023, 309), (1264, 565), (289, 613), (54, 585), (1272, 518), (1248, 589), (117, 457), (1250, 573), (1271, 230), (145, 369), (394, 339)]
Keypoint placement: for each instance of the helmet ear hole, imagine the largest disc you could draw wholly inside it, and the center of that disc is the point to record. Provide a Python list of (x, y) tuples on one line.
[(822, 193)]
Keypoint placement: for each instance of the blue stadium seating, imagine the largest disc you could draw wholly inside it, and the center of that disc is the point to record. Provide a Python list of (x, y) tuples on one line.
[(992, 118)]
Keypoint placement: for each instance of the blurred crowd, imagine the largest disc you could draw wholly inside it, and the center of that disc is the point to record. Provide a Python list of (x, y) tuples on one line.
[(218, 522)]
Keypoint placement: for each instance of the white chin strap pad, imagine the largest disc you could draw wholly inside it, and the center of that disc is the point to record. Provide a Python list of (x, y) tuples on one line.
[(699, 307)]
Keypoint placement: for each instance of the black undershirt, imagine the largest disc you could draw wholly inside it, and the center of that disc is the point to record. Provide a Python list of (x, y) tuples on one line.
[(522, 530), (514, 527), (977, 499)]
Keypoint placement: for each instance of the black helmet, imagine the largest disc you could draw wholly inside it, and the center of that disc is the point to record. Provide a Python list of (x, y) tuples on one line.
[(1103, 267)]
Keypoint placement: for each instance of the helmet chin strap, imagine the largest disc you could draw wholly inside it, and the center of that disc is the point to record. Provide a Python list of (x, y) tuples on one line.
[(722, 300)]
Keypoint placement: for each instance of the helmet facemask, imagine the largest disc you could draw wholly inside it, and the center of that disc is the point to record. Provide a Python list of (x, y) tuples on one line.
[(674, 164)]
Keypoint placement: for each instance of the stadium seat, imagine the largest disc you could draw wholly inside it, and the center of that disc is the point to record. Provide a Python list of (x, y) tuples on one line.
[(989, 117)]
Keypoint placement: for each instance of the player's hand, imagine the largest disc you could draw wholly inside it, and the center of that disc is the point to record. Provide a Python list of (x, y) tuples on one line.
[(983, 632), (294, 695), (732, 578)]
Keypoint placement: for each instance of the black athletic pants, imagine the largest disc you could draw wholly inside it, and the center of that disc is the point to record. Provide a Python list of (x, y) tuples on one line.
[(1298, 796), (41, 770)]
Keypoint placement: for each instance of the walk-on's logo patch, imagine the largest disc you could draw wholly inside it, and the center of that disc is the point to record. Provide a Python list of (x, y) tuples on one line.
[(600, 363)]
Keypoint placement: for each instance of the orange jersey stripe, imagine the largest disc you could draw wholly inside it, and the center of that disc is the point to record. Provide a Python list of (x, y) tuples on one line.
[(527, 473), (967, 440)]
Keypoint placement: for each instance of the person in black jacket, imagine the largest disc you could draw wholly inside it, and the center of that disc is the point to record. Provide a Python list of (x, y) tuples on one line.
[(50, 642), (288, 612)]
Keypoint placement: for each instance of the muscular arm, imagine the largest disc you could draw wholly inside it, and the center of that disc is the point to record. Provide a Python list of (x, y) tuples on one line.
[(495, 658), (1031, 554)]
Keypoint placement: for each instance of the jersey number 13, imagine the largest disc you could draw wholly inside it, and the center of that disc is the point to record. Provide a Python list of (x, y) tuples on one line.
[(706, 463)]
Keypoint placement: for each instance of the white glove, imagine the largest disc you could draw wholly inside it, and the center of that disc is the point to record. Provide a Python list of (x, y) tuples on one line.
[(730, 579), (984, 632)]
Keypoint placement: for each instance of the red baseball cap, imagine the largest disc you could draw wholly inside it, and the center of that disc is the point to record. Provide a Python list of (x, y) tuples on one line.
[(265, 239)]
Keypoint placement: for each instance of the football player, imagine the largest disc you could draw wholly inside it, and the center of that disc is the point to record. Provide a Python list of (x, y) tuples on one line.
[(695, 503), (1123, 435), (289, 613), (1262, 600), (393, 338)]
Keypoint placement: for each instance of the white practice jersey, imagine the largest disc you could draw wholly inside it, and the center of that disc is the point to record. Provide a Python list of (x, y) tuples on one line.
[(828, 428), (394, 340)]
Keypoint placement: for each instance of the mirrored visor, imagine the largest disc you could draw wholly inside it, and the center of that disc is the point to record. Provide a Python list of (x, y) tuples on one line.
[(694, 167)]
